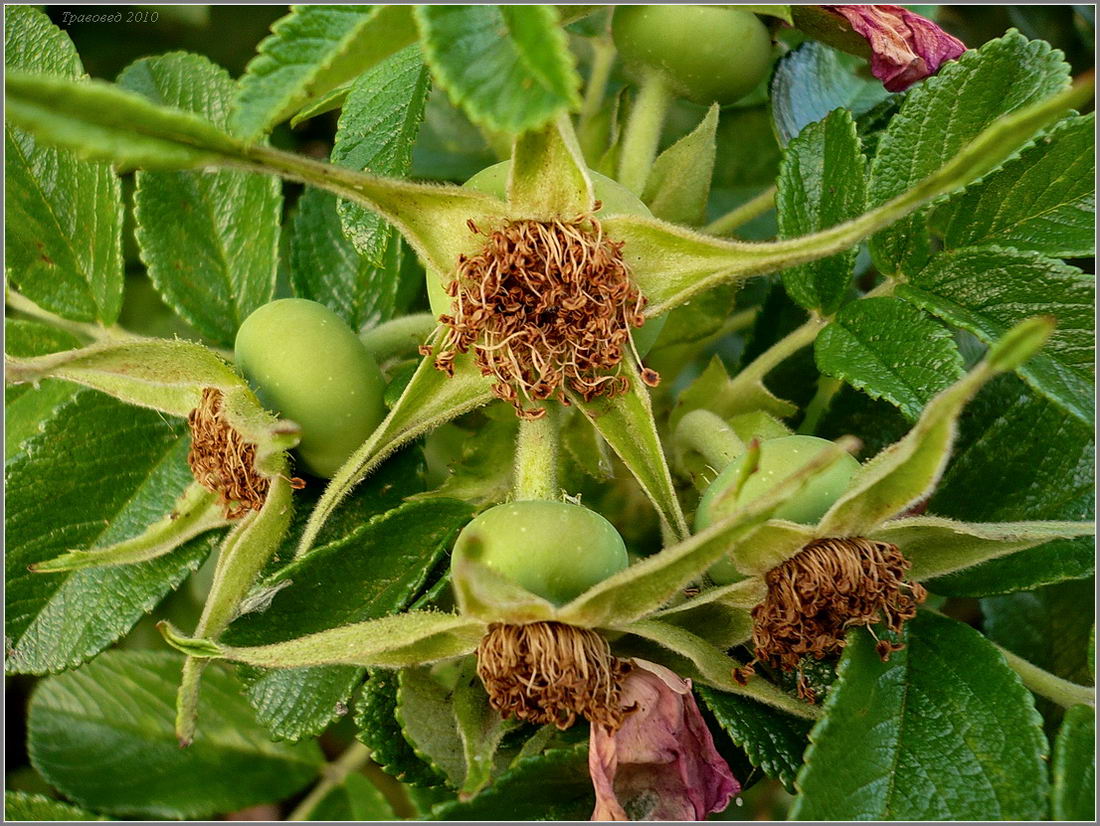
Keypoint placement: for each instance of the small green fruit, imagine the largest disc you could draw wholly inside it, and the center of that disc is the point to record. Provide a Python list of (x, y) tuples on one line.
[(707, 54), (308, 366), (556, 550), (615, 199), (779, 458)]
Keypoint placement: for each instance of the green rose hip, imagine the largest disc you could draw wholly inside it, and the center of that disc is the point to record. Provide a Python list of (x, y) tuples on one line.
[(307, 365), (779, 458), (707, 54), (556, 550)]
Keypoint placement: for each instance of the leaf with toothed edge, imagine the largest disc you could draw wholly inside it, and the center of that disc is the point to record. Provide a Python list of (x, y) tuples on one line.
[(115, 715), (945, 731), (57, 500)]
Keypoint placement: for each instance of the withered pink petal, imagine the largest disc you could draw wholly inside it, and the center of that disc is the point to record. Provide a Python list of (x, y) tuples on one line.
[(905, 47), (662, 763)]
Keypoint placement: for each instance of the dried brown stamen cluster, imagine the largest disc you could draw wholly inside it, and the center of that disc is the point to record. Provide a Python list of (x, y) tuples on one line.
[(550, 672), (547, 307), (830, 586), (221, 460)]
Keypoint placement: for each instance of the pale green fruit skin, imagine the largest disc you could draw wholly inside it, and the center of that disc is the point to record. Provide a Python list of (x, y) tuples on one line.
[(615, 199), (779, 458), (556, 550), (308, 366), (708, 54)]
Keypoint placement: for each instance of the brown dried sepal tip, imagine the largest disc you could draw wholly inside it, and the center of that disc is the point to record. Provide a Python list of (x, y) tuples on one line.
[(222, 461), (830, 586), (547, 307), (550, 672)]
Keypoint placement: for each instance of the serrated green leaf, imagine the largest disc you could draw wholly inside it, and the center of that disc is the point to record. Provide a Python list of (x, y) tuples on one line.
[(938, 546), (325, 267), (209, 240), (23, 806), (426, 716), (369, 572), (986, 290), (310, 52), (1031, 460), (678, 185), (1074, 788), (821, 184), (1042, 201), (430, 399), (906, 472), (889, 350), (943, 731), (58, 498), (375, 716), (116, 715), (626, 424), (508, 67), (356, 799), (554, 785), (376, 132), (63, 235), (774, 741), (814, 80), (26, 406), (944, 113)]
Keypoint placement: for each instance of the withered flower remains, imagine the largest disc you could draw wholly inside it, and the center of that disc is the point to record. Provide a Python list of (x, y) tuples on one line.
[(831, 585), (550, 672), (547, 307)]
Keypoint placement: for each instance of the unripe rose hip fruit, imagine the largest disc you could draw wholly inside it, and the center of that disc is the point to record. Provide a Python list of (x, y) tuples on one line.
[(307, 365), (707, 54), (779, 458), (556, 550)]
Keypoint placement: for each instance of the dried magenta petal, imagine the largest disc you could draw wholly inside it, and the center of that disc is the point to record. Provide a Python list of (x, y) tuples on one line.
[(905, 47)]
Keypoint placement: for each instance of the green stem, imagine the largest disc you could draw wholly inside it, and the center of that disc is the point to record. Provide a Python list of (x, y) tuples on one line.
[(740, 215), (819, 404), (398, 335), (643, 131), (536, 470), (708, 435), (603, 58), (782, 350), (1045, 684), (96, 332), (353, 759)]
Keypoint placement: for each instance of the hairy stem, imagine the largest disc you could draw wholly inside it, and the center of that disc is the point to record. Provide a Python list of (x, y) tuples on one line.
[(603, 58), (1045, 684), (782, 350), (353, 759), (536, 470), (398, 335), (708, 435), (643, 132), (740, 215)]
